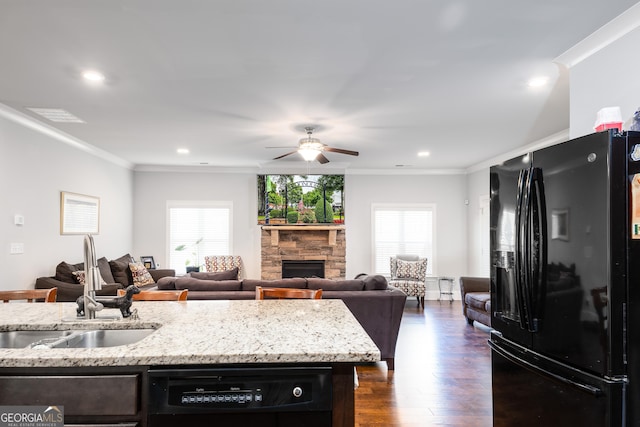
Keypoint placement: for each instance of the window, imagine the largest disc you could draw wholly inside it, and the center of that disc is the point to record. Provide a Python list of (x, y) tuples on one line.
[(403, 229), (196, 230)]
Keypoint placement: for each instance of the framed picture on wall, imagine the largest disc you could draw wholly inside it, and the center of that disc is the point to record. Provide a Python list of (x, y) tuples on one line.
[(560, 224), (148, 262), (79, 213)]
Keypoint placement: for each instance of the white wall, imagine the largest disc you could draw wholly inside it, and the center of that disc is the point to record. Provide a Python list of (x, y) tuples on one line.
[(34, 169), (447, 192), (477, 185), (607, 78), (152, 190)]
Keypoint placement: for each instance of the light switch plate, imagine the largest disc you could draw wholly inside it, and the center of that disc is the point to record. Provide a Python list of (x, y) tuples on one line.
[(18, 220), (17, 248)]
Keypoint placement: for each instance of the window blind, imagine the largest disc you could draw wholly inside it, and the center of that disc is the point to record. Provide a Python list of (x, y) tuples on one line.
[(402, 230), (197, 231)]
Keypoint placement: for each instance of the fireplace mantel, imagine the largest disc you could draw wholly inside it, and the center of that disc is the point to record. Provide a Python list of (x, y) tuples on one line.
[(332, 231)]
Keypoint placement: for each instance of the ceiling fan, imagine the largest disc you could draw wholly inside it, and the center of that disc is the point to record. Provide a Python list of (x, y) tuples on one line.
[(311, 149)]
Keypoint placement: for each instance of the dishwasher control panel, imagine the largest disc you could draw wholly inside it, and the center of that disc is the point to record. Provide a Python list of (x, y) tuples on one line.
[(244, 393), (242, 389), (202, 396)]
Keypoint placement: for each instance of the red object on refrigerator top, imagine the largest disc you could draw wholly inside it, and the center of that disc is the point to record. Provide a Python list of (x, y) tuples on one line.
[(612, 125)]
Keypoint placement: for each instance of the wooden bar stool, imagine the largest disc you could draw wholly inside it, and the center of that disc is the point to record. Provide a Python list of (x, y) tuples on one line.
[(158, 295), (48, 295), (287, 293)]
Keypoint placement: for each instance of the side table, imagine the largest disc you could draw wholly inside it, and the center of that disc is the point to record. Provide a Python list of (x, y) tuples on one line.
[(449, 290)]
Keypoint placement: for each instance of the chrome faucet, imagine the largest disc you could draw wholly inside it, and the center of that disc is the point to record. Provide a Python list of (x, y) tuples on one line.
[(91, 279)]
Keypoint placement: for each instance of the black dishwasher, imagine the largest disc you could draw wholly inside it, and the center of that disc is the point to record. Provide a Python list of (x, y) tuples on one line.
[(265, 397)]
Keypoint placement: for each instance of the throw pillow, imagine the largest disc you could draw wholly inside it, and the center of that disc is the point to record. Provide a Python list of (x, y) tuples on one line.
[(64, 271), (105, 270), (81, 278), (375, 283), (120, 269), (140, 274), (414, 270)]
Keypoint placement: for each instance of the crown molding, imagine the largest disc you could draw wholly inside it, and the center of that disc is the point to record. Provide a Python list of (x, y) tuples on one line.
[(615, 29), (292, 170), (554, 139), (51, 132), (193, 169), (407, 171)]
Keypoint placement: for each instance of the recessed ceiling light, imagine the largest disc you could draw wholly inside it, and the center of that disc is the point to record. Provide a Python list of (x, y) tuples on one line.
[(183, 151), (57, 115), (93, 76), (537, 81), (424, 154)]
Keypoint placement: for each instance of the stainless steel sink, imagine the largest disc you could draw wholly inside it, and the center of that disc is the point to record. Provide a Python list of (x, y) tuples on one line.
[(72, 339)]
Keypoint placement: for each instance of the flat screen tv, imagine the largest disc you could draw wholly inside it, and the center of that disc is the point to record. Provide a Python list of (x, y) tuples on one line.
[(300, 199)]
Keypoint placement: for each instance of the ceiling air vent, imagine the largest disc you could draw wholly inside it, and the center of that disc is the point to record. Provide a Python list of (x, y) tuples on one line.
[(57, 115)]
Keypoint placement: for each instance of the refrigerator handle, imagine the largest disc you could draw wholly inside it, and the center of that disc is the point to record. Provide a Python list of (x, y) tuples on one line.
[(595, 391), (526, 274), (520, 249), (538, 256)]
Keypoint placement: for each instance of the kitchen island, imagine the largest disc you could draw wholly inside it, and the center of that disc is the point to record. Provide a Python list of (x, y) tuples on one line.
[(193, 335)]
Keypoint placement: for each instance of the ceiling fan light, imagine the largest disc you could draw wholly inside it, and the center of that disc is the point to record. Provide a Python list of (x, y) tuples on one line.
[(310, 148), (309, 154)]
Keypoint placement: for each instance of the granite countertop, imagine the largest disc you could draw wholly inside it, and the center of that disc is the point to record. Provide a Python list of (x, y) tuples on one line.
[(200, 332)]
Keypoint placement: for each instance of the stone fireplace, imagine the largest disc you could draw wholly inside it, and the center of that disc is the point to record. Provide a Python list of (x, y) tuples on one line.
[(301, 243)]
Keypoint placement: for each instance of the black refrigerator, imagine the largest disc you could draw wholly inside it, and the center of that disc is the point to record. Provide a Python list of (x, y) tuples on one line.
[(565, 284)]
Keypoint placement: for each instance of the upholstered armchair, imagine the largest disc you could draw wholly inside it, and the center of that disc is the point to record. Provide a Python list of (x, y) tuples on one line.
[(218, 263), (409, 274)]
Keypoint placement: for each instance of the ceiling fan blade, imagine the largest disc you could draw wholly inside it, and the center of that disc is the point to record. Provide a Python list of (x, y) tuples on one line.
[(285, 155), (322, 159), (342, 151)]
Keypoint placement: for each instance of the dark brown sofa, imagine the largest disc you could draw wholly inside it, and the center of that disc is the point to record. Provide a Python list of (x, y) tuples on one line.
[(376, 305), (116, 274), (476, 299)]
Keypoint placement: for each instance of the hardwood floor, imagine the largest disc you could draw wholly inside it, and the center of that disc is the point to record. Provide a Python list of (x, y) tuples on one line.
[(442, 373)]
